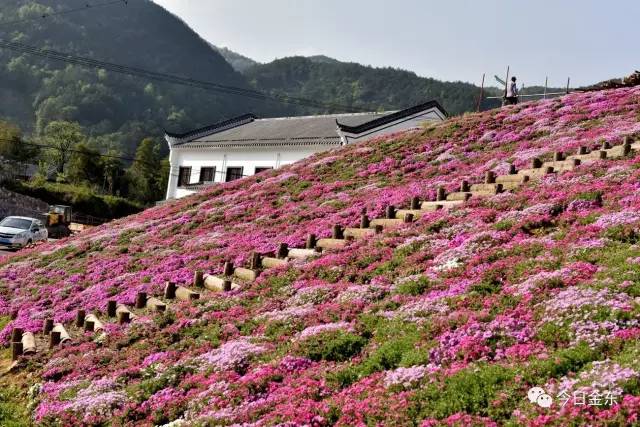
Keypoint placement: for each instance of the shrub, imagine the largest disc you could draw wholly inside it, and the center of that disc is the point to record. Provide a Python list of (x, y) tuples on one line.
[(553, 334), (414, 287), (491, 283), (334, 346), (81, 198), (397, 348), (504, 225), (622, 233), (473, 390), (560, 363), (12, 408), (592, 196)]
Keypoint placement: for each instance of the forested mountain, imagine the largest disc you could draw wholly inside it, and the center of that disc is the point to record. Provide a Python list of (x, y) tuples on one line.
[(239, 62), (116, 110), (360, 86)]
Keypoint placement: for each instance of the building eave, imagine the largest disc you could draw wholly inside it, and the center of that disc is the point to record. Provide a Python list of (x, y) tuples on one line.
[(390, 118), (175, 139), (258, 144)]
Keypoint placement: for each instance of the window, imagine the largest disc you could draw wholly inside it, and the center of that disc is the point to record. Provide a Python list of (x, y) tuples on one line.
[(207, 174), (13, 222), (184, 176), (263, 168), (234, 173)]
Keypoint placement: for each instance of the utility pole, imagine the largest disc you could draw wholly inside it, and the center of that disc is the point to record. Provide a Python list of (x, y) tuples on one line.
[(546, 80), (481, 94), (506, 85)]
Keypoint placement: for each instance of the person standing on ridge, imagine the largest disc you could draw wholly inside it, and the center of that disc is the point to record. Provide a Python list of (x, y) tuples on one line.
[(512, 92)]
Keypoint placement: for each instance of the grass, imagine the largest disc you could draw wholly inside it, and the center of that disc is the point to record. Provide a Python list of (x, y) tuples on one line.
[(81, 198)]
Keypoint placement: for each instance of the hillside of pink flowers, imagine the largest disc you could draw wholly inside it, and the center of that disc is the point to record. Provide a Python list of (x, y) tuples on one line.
[(446, 321)]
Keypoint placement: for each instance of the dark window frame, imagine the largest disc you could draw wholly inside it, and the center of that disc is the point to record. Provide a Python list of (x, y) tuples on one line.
[(260, 169), (233, 176), (184, 173), (211, 171)]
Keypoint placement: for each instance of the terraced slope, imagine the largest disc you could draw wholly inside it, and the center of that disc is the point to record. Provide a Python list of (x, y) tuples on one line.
[(495, 255)]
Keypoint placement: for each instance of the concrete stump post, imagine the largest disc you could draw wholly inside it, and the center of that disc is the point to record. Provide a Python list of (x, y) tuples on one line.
[(337, 232), (489, 177), (548, 170), (311, 241), (512, 169), (228, 269), (111, 308), (54, 338), (364, 221), (141, 300), (441, 194), (155, 304), (16, 334), (226, 285), (16, 350), (606, 145), (390, 212), (536, 163), (602, 155), (378, 229), (558, 156), (626, 146), (415, 202), (255, 261), (283, 251), (575, 162), (582, 150), (464, 186), (47, 327), (89, 325), (198, 279), (28, 343), (80, 315), (408, 218), (170, 290), (124, 317)]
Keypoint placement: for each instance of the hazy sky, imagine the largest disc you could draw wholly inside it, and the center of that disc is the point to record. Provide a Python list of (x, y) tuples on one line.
[(447, 39)]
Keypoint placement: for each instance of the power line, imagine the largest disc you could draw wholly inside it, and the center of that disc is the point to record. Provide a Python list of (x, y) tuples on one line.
[(98, 154), (75, 151), (169, 78), (87, 6), (88, 62)]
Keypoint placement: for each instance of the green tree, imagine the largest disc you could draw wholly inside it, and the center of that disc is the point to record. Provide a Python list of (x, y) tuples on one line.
[(145, 174), (113, 173), (12, 146), (61, 137), (85, 165)]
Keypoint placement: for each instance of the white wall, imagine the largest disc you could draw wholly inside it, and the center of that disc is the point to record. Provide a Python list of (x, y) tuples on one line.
[(403, 124), (249, 158)]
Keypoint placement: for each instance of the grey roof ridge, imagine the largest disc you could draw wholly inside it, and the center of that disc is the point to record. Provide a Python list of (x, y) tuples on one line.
[(381, 121), (179, 138)]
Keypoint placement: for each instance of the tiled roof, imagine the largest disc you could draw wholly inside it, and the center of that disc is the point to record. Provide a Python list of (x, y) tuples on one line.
[(248, 130), (390, 118), (218, 127)]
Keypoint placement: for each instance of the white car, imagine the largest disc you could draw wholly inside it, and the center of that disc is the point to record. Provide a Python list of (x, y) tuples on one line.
[(19, 231)]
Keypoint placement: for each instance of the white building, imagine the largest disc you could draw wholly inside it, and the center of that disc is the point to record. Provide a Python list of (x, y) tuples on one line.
[(247, 145)]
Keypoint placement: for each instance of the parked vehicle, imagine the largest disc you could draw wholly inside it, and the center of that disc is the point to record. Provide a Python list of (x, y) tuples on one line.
[(59, 221), (19, 231)]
